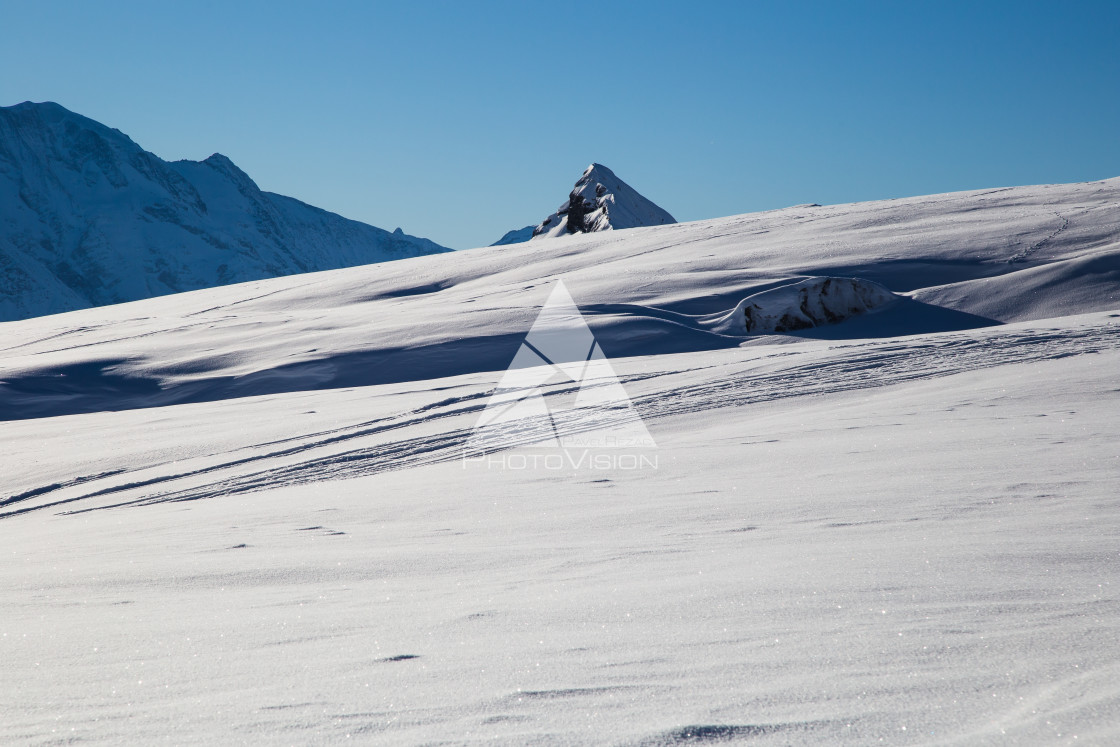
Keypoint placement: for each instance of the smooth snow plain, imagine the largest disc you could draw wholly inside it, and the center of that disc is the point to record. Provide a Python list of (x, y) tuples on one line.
[(241, 515)]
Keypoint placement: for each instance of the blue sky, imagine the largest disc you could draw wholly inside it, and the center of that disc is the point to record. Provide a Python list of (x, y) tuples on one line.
[(458, 121)]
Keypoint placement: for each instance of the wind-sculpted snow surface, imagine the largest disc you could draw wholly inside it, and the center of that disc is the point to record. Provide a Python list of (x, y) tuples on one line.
[(248, 514), (90, 219), (900, 540), (648, 291), (448, 424)]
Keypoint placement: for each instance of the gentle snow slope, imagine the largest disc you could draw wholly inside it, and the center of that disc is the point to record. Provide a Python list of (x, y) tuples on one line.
[(908, 540), (960, 260), (856, 536), (89, 218)]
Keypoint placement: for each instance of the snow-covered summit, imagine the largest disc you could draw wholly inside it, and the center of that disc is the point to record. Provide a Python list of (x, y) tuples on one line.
[(600, 201), (516, 236), (90, 218)]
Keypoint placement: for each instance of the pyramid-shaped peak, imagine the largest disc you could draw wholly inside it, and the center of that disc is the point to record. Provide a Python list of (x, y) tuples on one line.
[(600, 201), (598, 171)]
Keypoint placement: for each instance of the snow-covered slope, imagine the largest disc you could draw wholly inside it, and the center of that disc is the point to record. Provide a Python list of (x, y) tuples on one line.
[(600, 201), (242, 513), (953, 261), (89, 218)]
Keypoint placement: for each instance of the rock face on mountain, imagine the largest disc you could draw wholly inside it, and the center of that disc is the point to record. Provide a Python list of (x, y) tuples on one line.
[(601, 201), (87, 218), (812, 302)]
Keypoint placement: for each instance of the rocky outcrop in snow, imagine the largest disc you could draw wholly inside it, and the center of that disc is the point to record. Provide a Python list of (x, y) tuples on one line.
[(601, 201), (90, 218), (812, 302)]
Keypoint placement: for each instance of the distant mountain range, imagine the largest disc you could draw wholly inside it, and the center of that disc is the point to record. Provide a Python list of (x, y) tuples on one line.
[(87, 217), (600, 201)]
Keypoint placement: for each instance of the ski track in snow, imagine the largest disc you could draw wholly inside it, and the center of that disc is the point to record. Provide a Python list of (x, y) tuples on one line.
[(846, 368)]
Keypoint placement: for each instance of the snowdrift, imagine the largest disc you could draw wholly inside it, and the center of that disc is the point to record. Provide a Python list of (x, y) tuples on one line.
[(808, 303)]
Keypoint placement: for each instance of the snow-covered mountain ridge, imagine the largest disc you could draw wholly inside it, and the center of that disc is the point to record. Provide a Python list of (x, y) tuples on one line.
[(87, 218)]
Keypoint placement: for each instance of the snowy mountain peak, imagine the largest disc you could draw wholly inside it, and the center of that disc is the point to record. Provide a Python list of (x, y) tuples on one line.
[(600, 201), (49, 115), (228, 168), (91, 218)]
